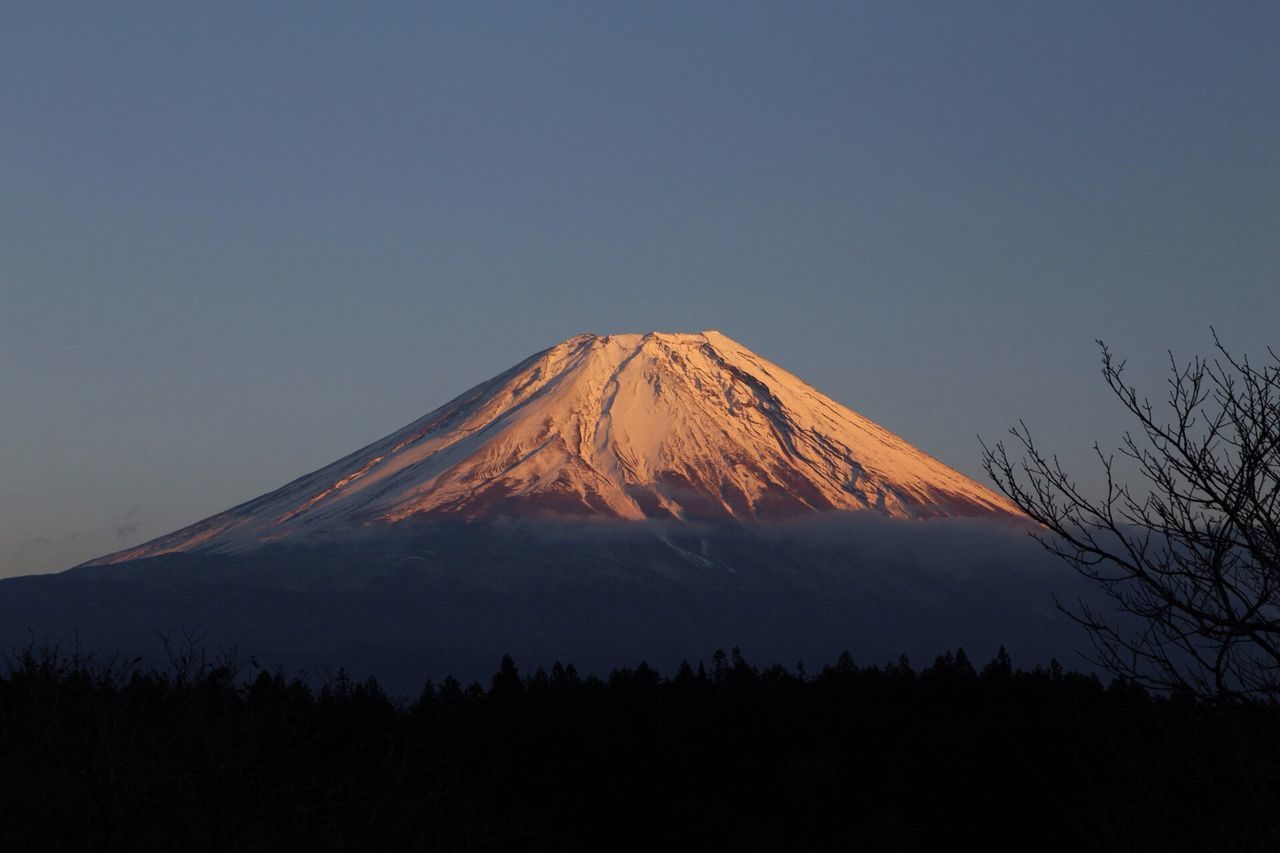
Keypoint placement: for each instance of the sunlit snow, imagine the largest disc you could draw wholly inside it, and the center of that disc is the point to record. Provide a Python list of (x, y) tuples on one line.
[(686, 426)]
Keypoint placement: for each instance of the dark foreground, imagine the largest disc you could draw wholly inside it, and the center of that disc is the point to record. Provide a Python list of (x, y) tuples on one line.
[(723, 757)]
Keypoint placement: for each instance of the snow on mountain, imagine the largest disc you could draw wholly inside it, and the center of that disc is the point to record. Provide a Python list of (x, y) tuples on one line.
[(683, 426)]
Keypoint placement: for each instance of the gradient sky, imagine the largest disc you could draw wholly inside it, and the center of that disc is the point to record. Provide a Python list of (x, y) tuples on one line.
[(237, 242)]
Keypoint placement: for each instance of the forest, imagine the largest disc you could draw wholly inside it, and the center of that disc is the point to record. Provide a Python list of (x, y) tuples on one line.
[(215, 753)]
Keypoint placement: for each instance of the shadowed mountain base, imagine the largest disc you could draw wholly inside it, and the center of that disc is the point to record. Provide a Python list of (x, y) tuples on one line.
[(439, 599)]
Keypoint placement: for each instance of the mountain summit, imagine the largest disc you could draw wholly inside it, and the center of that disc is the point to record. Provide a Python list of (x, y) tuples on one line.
[(675, 426)]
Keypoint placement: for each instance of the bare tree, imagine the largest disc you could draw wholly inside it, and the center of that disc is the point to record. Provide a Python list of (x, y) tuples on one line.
[(1192, 547)]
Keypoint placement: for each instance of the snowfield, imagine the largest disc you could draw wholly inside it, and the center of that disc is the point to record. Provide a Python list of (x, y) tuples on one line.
[(691, 427)]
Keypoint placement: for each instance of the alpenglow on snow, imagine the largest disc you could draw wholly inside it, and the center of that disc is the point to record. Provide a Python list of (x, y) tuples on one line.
[(672, 426)]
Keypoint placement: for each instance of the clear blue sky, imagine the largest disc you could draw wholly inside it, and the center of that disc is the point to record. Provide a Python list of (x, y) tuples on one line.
[(237, 242)]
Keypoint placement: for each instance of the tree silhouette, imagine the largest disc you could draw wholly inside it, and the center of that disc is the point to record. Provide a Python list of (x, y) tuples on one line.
[(1192, 548), (109, 756)]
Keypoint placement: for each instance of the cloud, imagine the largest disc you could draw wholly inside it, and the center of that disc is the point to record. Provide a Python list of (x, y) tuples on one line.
[(129, 524)]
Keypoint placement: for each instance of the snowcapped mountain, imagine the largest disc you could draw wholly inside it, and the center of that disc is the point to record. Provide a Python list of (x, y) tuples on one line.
[(671, 426), (611, 499)]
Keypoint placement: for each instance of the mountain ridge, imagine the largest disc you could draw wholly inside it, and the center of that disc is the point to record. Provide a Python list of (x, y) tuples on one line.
[(630, 426)]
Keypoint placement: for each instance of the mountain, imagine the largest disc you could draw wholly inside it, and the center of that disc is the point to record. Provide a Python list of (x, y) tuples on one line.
[(689, 427), (607, 500)]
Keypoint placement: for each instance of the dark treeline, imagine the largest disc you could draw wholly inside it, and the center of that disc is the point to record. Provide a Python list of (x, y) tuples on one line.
[(212, 755)]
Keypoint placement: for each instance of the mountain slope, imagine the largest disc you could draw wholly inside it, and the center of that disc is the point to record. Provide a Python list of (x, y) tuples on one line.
[(679, 426)]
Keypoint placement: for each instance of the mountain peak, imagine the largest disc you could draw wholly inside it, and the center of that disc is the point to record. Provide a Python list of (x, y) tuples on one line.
[(634, 338), (688, 426)]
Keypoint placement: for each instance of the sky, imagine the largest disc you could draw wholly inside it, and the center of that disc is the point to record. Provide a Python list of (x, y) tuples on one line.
[(238, 241)]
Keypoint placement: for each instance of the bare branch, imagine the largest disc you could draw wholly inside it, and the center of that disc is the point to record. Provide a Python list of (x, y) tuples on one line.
[(1193, 547)]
